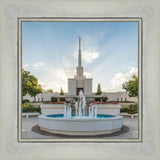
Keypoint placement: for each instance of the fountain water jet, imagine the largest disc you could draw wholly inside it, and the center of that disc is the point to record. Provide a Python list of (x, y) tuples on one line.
[(80, 123)]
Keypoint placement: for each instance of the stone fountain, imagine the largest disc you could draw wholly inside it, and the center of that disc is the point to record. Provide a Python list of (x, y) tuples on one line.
[(80, 123)]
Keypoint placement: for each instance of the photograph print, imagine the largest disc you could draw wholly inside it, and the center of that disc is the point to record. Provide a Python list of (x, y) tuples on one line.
[(79, 80)]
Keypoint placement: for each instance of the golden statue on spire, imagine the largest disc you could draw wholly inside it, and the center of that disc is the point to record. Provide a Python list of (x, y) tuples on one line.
[(79, 39), (79, 42)]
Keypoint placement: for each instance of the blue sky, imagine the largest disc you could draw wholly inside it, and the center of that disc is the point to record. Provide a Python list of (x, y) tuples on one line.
[(109, 52)]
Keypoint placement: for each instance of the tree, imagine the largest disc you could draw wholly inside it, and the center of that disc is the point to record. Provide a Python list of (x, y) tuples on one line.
[(50, 90), (54, 99), (30, 84), (104, 99), (62, 93), (25, 82), (99, 91), (35, 90), (131, 86)]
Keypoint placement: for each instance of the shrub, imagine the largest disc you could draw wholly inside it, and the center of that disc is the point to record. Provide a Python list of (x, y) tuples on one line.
[(53, 99), (104, 99), (47, 102), (124, 109), (61, 102), (39, 110), (97, 99), (98, 102), (62, 99), (30, 108), (25, 105), (123, 106), (133, 108), (68, 101), (25, 101), (114, 103)]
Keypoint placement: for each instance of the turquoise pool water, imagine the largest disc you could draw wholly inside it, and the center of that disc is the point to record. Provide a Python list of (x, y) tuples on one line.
[(73, 116)]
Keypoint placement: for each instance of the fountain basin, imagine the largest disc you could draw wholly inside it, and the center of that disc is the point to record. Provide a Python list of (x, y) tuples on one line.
[(80, 126), (110, 109)]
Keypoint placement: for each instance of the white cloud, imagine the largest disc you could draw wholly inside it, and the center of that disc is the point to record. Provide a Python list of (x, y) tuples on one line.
[(87, 74), (38, 64), (44, 86), (54, 78), (70, 74), (133, 71), (88, 56), (120, 78), (33, 66), (25, 66), (89, 47)]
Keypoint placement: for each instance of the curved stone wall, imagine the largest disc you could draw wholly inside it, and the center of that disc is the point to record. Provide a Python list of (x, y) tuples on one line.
[(81, 126)]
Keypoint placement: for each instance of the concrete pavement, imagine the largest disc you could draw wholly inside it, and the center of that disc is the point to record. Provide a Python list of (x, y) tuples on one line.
[(28, 123)]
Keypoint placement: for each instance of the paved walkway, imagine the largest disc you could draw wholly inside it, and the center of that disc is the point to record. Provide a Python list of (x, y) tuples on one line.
[(28, 123)]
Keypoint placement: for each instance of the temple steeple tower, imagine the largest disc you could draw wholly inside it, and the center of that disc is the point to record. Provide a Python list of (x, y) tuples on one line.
[(79, 53), (79, 68), (79, 82)]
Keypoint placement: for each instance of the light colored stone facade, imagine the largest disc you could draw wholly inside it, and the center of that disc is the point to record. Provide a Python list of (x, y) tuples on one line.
[(88, 86), (71, 86), (112, 96), (119, 96), (85, 84), (79, 82)]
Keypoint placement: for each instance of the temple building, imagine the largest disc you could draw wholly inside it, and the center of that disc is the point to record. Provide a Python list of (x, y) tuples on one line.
[(79, 82)]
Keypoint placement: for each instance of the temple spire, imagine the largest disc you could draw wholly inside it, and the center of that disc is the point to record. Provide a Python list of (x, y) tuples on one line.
[(79, 67), (79, 53)]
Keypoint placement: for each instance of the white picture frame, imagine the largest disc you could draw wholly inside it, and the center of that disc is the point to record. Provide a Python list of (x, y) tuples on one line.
[(20, 20), (12, 148)]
